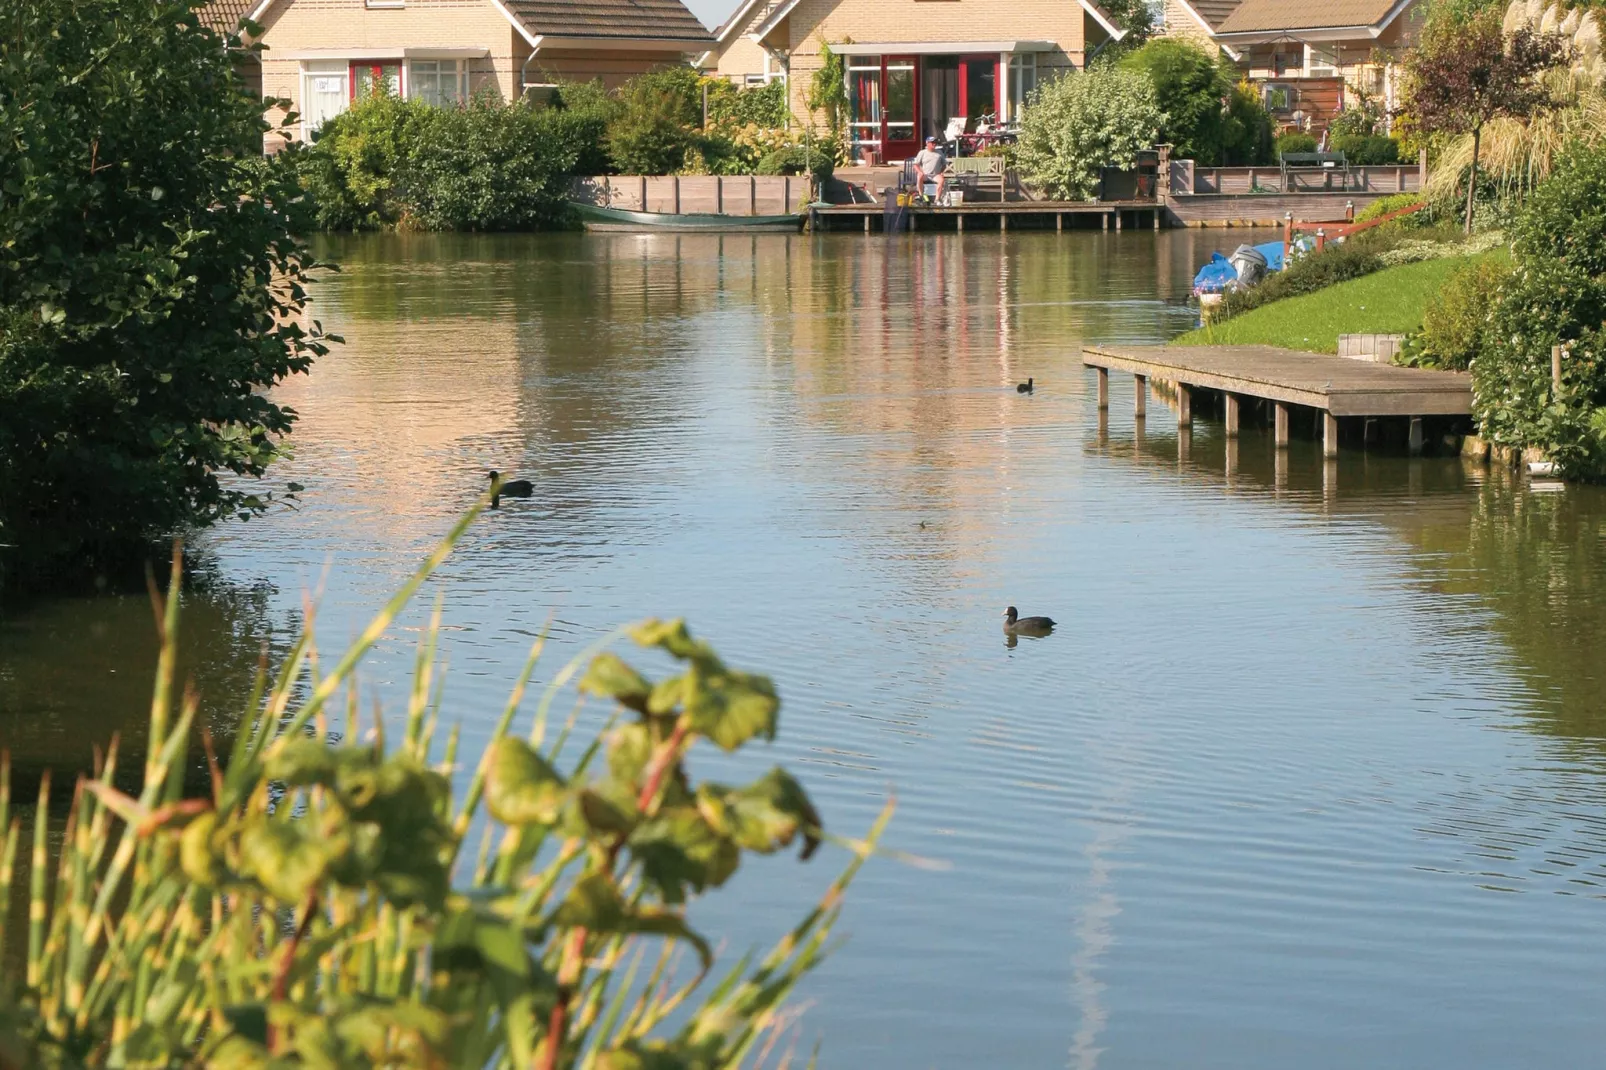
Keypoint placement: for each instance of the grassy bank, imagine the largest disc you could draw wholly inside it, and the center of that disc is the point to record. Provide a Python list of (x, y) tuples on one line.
[(1387, 302)]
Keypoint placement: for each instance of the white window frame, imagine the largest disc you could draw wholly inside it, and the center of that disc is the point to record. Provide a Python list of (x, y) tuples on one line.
[(1315, 70), (871, 64), (1019, 64), (311, 69), (459, 74)]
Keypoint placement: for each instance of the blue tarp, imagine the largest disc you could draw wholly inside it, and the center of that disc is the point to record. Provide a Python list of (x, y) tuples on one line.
[(1216, 277)]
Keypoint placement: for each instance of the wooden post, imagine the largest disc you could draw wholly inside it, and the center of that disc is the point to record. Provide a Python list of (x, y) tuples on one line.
[(1059, 222), (1104, 220), (752, 195), (1329, 435), (1321, 238), (1157, 219), (1118, 220), (1104, 389), (1140, 398), (1184, 405), (1003, 221), (867, 222), (644, 193), (1555, 372), (959, 220), (1280, 426), (1232, 415), (1288, 235), (1416, 436), (677, 194)]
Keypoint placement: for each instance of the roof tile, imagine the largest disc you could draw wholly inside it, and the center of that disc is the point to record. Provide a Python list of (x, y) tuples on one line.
[(667, 19), (1262, 16)]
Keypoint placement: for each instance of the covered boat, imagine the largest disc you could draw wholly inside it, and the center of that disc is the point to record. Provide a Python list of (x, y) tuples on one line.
[(596, 217)]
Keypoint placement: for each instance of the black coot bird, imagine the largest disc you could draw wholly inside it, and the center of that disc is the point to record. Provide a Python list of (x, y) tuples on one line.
[(1024, 388), (512, 488), (1036, 627)]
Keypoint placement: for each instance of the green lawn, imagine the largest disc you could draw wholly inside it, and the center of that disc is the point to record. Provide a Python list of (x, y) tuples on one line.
[(1387, 302)]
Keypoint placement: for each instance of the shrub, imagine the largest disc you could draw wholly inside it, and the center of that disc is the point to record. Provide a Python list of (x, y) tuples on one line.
[(761, 106), (150, 283), (676, 92), (1383, 206), (484, 166), (315, 907), (1361, 119), (1565, 217), (1247, 137), (1190, 84), (1334, 264), (798, 160), (1454, 321), (1074, 126), (1368, 150), (1294, 141)]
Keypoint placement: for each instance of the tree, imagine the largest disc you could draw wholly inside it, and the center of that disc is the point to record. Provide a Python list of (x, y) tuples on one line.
[(1466, 71), (1078, 124), (828, 94), (1192, 86), (151, 286)]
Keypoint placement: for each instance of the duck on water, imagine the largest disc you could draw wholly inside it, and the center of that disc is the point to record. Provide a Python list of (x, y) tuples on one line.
[(512, 488), (1034, 627)]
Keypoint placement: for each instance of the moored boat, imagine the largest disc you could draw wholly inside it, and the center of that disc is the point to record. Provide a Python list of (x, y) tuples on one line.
[(596, 217)]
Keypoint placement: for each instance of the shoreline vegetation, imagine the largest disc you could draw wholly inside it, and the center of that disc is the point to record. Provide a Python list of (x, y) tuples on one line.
[(322, 902)]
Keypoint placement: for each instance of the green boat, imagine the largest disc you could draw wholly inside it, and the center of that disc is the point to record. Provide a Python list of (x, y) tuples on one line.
[(596, 217)]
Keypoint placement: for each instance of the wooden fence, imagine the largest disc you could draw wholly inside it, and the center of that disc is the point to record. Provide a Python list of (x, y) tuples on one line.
[(1394, 178), (737, 195)]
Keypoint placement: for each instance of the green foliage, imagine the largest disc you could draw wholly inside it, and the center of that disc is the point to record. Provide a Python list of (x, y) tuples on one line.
[(1247, 130), (1073, 127), (1294, 141), (1383, 206), (650, 140), (1366, 150), (316, 908), (151, 288), (798, 160), (1190, 84), (673, 92), (1334, 264), (762, 106), (1565, 217), (1363, 118), (1457, 316), (827, 96)]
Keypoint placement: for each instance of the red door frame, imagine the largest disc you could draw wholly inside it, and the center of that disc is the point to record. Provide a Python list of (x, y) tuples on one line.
[(912, 145), (965, 63), (372, 66)]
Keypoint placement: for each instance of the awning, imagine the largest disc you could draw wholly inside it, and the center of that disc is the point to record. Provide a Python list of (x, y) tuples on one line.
[(940, 48), (397, 52)]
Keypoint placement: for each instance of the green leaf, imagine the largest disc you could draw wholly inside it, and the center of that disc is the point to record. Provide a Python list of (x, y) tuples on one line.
[(673, 637), (731, 707), (771, 812), (521, 787), (679, 849), (609, 677)]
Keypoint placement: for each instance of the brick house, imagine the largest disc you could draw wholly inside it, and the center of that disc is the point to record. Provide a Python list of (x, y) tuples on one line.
[(1311, 60), (912, 65), (321, 54)]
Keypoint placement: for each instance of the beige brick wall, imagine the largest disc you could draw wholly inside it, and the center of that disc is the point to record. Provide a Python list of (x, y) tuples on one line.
[(1180, 22), (292, 26), (613, 67)]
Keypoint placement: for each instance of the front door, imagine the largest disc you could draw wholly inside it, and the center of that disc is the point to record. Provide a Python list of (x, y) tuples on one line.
[(900, 107)]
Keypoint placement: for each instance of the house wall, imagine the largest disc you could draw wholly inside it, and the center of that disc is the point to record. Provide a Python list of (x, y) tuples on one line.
[(291, 26), (739, 56), (584, 65), (1180, 22), (1062, 22)]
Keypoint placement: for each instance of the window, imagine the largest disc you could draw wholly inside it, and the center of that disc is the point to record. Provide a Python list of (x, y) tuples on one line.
[(864, 100), (1321, 62), (1369, 80), (1156, 15), (751, 80), (1022, 81), (1279, 98), (368, 78), (325, 93), (437, 82)]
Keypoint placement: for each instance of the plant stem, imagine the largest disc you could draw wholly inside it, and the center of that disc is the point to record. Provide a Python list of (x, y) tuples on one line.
[(281, 977)]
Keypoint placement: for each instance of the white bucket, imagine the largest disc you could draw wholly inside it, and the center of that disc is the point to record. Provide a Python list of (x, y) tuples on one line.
[(956, 197)]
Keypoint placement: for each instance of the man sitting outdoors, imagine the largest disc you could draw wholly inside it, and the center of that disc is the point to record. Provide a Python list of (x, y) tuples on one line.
[(931, 165)]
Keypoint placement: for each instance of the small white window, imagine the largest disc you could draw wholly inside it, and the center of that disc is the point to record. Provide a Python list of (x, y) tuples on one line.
[(753, 79), (1321, 62), (1022, 80), (386, 3), (325, 93), (437, 82)]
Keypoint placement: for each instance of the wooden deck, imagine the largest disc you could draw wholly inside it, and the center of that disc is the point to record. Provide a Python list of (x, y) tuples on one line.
[(1337, 387), (971, 214)]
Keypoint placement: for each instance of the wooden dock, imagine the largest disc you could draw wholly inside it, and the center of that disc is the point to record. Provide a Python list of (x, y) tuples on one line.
[(1336, 387), (1117, 215)]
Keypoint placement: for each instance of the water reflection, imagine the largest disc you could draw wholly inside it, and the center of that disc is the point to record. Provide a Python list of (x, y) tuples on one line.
[(1245, 808)]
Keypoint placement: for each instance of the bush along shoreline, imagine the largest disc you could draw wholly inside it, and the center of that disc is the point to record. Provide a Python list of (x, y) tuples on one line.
[(330, 899), (495, 165)]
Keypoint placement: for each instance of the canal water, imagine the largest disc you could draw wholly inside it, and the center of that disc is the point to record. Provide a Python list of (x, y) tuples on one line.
[(1312, 772)]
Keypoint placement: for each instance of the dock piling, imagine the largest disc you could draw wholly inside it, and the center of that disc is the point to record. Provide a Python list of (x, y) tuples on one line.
[(1184, 405), (1232, 414), (1329, 434), (1280, 426), (1140, 399), (1415, 442), (1104, 389)]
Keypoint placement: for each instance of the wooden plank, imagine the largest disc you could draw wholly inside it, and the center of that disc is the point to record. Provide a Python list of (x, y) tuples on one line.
[(1331, 384)]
